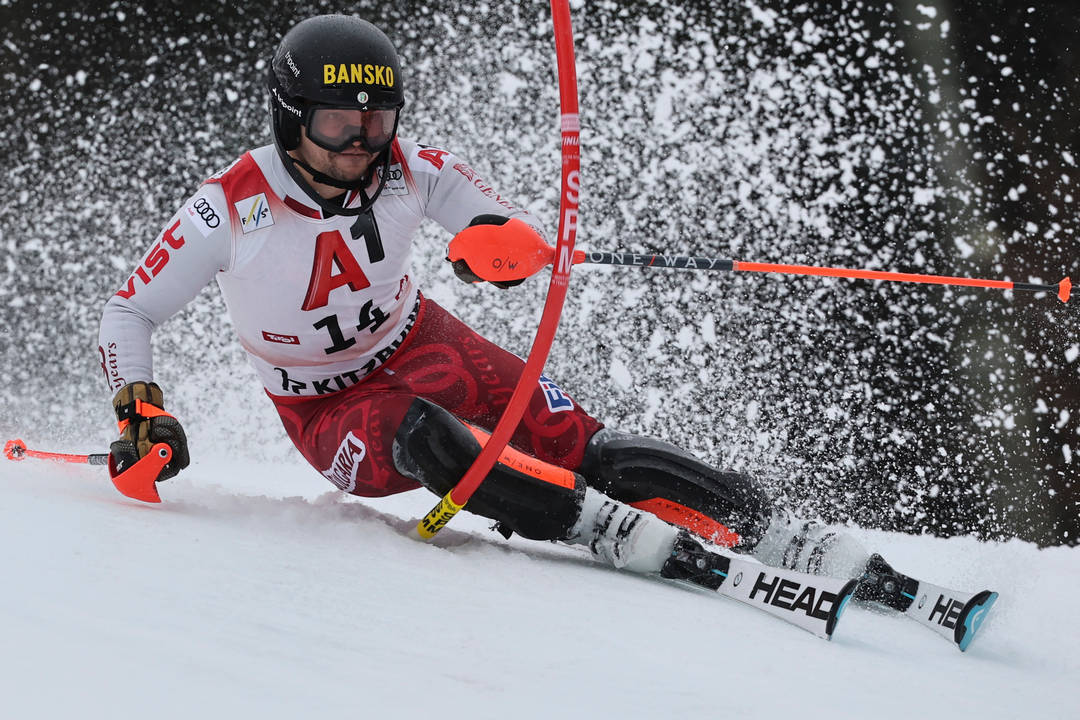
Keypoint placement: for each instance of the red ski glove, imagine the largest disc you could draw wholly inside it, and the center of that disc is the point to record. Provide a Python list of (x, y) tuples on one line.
[(500, 231)]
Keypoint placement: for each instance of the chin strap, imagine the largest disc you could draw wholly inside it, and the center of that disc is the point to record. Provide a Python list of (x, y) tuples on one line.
[(328, 207)]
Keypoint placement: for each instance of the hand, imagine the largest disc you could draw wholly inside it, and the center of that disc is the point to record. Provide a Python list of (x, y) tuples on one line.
[(143, 422), (462, 269)]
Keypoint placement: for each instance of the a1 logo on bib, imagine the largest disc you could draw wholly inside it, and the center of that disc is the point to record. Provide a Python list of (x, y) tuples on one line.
[(254, 213)]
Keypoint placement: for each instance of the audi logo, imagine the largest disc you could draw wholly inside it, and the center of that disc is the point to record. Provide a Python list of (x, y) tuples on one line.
[(206, 212)]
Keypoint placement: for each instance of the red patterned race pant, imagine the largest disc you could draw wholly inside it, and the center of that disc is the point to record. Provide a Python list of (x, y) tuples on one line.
[(348, 436)]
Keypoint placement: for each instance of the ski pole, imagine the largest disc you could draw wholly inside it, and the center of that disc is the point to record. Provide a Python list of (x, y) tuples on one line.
[(17, 450), (138, 481), (497, 262)]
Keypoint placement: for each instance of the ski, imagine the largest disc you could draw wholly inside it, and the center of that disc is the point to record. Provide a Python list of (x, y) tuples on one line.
[(953, 614), (811, 602)]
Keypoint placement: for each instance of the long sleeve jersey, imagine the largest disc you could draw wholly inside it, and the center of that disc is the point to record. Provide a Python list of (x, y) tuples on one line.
[(317, 302)]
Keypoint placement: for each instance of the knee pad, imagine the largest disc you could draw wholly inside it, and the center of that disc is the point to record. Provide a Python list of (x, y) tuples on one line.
[(727, 508), (534, 499)]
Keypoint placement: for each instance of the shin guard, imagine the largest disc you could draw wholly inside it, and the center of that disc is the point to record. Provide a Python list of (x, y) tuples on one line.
[(537, 500), (727, 508)]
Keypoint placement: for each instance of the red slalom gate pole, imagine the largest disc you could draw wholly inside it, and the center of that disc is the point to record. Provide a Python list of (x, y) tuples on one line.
[(454, 500)]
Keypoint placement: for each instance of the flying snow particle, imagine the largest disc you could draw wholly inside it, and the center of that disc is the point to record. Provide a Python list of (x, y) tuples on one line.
[(620, 374), (966, 250), (928, 10), (1072, 353), (766, 17), (707, 328), (509, 84), (753, 412), (923, 196)]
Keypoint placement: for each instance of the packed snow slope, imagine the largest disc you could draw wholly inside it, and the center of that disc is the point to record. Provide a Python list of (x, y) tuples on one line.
[(252, 592)]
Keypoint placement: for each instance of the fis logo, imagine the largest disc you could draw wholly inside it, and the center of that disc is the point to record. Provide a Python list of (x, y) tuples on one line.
[(254, 213), (342, 472), (557, 400)]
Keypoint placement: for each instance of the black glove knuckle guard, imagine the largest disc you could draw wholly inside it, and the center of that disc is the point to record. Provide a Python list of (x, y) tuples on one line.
[(169, 431), (488, 219), (465, 273)]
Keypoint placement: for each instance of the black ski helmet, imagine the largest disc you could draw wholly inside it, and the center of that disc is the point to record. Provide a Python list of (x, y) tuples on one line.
[(333, 61)]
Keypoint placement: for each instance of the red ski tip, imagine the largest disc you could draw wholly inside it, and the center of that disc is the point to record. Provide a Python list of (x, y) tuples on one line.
[(15, 450), (1064, 288)]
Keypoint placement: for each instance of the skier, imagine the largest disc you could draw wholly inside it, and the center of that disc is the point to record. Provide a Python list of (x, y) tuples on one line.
[(380, 388)]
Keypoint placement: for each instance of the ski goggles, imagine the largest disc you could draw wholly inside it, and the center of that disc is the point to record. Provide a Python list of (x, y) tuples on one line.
[(336, 129)]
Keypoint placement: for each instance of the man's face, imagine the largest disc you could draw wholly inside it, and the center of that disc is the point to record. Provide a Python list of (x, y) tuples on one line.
[(349, 165)]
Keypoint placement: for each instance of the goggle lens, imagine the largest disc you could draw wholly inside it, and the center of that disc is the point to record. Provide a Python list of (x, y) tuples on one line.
[(338, 128)]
